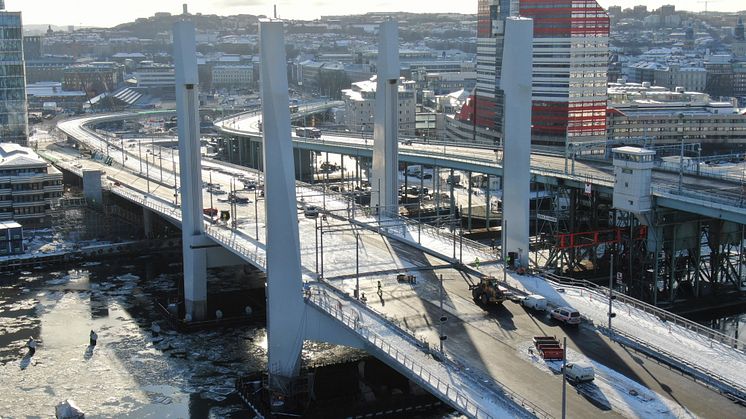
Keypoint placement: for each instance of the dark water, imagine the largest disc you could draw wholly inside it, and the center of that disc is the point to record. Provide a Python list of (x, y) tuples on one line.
[(131, 372)]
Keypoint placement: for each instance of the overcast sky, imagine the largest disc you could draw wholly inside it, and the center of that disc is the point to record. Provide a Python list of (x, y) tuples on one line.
[(107, 13)]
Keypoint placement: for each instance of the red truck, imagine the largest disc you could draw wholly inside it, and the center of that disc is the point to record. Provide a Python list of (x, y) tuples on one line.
[(549, 348)]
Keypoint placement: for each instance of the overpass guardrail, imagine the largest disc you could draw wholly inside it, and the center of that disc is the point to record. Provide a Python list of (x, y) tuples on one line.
[(429, 379), (664, 315)]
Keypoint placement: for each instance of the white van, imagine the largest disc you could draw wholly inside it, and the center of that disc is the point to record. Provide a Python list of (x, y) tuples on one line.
[(579, 373), (535, 302)]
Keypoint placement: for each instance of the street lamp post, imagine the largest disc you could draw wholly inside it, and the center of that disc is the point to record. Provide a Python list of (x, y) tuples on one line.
[(176, 185), (442, 336), (357, 265), (316, 236), (147, 168), (611, 285), (256, 213), (564, 378), (209, 190), (139, 154)]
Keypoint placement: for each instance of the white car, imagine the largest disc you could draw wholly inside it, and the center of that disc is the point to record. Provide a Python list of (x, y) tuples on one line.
[(579, 373), (535, 302), (566, 315)]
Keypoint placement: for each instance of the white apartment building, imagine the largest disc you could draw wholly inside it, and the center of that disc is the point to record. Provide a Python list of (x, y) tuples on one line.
[(661, 116), (29, 186), (150, 75), (225, 75), (360, 106)]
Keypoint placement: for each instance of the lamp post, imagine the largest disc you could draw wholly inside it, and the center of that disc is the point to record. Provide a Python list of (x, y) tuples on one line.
[(176, 185), (139, 154), (256, 213), (209, 190), (357, 265), (147, 168), (564, 378), (160, 162), (611, 285), (316, 236), (442, 337)]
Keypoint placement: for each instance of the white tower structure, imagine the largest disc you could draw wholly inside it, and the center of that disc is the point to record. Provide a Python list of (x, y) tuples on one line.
[(516, 86), (194, 241), (385, 180), (285, 307), (633, 171)]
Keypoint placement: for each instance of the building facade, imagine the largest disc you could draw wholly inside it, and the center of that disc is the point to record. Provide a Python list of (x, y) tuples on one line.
[(152, 75), (13, 116), (360, 105), (570, 62), (639, 113), (29, 186), (228, 76), (94, 78)]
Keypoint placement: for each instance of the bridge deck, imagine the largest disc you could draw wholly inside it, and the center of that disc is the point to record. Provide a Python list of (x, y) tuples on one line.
[(470, 343)]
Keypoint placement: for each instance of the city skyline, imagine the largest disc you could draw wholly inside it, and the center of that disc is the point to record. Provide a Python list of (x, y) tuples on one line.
[(37, 12)]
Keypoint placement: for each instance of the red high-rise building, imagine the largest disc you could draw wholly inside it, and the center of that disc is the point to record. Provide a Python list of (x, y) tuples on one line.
[(571, 45)]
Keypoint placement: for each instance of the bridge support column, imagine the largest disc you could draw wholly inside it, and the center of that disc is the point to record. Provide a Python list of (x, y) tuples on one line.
[(285, 305), (385, 182), (190, 160), (516, 85), (147, 222), (92, 187)]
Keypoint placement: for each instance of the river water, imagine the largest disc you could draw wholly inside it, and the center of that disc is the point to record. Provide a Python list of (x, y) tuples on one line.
[(132, 372)]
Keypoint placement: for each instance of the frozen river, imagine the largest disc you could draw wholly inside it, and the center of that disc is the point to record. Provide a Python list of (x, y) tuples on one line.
[(132, 372)]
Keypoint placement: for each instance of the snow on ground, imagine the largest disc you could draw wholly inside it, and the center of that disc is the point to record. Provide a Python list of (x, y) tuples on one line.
[(706, 354), (683, 343), (404, 351), (611, 390)]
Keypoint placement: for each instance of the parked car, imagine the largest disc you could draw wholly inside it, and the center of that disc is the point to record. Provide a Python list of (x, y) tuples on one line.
[(566, 315), (535, 302), (579, 373), (311, 211)]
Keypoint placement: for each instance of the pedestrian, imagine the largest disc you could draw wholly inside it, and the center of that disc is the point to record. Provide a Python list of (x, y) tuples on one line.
[(31, 345), (93, 337), (363, 298), (493, 242)]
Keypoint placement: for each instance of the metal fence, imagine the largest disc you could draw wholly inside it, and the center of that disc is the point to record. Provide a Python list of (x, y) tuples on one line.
[(705, 332), (428, 379)]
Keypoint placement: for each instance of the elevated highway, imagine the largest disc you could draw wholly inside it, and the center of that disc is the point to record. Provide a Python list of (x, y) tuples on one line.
[(485, 372), (709, 196)]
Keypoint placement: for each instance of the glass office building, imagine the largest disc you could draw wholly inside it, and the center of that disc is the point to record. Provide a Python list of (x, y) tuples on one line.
[(13, 116)]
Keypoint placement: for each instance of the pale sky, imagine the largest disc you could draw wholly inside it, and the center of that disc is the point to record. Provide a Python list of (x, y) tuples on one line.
[(106, 13)]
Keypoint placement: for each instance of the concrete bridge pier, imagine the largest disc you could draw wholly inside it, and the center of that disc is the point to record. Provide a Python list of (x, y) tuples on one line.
[(147, 222), (516, 85), (285, 307), (385, 182), (194, 240), (92, 187)]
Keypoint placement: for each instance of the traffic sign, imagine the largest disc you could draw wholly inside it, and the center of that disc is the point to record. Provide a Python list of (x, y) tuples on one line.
[(546, 218)]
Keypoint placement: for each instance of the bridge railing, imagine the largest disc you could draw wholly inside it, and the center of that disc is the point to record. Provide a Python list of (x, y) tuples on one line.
[(456, 397), (704, 331), (392, 221), (334, 307)]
